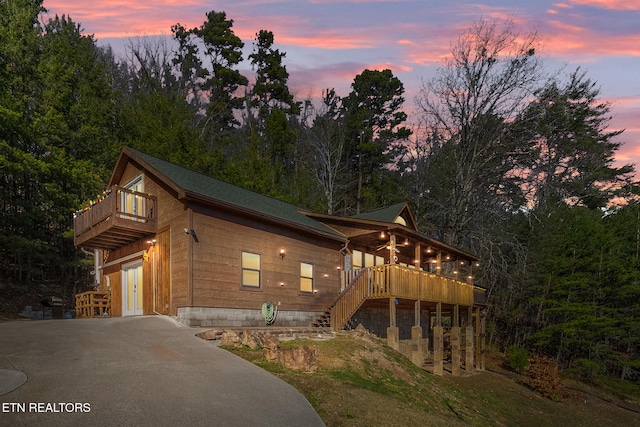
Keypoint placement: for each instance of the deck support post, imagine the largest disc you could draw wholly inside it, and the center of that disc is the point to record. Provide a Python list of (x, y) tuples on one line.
[(480, 340), (483, 334), (468, 333), (417, 352), (455, 341), (438, 343), (393, 332), (455, 350)]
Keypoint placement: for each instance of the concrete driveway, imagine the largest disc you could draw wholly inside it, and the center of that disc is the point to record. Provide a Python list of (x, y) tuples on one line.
[(135, 371)]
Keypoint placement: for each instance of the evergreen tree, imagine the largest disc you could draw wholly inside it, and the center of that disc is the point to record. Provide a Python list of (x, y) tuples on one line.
[(374, 134)]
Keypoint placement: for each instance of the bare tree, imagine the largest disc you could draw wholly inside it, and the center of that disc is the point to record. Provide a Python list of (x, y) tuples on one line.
[(470, 103), (325, 141)]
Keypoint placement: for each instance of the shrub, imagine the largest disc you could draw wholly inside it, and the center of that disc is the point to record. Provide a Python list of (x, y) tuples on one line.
[(518, 359)]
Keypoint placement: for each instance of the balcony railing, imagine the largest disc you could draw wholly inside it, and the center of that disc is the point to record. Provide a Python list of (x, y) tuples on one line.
[(389, 281), (122, 217)]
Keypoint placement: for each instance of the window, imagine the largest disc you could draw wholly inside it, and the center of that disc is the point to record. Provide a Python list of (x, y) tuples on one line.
[(363, 259), (133, 203), (306, 277), (357, 260), (250, 270)]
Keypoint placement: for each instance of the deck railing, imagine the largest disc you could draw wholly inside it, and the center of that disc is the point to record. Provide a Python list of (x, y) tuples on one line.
[(121, 208), (92, 304), (393, 281)]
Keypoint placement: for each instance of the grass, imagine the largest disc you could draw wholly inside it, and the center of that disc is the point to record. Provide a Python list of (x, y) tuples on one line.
[(363, 382)]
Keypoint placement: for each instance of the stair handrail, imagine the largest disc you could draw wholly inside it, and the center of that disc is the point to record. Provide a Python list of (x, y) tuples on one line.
[(359, 287), (350, 283)]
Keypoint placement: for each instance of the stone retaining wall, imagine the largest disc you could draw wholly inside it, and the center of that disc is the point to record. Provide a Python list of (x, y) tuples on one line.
[(219, 317)]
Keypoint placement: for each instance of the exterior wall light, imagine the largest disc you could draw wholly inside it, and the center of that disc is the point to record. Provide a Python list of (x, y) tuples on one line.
[(282, 253)]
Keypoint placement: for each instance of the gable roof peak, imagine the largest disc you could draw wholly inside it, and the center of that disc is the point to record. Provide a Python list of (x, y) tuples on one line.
[(398, 213)]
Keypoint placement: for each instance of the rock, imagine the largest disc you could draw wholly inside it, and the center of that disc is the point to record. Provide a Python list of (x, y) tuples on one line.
[(230, 338), (251, 339), (299, 358), (211, 334)]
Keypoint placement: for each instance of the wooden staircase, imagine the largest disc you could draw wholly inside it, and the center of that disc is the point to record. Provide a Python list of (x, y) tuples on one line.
[(324, 321), (347, 303)]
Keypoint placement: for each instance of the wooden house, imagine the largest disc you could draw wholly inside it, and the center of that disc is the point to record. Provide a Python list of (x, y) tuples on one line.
[(171, 241)]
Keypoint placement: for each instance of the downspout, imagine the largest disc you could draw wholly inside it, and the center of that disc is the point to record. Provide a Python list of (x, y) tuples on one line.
[(96, 264), (190, 260), (154, 282)]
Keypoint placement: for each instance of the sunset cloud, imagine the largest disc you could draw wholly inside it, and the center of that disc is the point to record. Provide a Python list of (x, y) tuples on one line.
[(328, 42), (610, 4)]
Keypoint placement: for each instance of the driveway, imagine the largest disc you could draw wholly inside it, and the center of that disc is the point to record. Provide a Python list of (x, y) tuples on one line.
[(135, 371)]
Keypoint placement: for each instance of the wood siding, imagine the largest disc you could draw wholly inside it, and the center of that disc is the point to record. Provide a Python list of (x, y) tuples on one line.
[(217, 266)]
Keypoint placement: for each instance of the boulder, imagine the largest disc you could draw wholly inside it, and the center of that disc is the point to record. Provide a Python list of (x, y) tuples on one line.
[(231, 338), (298, 358), (211, 334)]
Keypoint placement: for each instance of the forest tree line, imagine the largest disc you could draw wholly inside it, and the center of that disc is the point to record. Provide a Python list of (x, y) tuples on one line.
[(508, 160)]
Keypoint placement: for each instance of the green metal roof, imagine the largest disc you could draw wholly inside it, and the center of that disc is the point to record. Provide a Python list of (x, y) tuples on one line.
[(197, 185), (387, 214)]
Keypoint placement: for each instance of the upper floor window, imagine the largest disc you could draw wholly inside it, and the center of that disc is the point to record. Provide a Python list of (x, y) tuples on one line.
[(250, 269), (131, 202)]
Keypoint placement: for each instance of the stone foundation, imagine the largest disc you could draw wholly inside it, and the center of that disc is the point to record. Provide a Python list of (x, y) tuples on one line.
[(230, 317)]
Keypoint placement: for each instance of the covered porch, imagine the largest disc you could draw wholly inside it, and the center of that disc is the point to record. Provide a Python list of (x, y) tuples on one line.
[(430, 318)]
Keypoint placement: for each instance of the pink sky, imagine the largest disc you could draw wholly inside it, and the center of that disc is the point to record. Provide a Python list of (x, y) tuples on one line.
[(329, 42)]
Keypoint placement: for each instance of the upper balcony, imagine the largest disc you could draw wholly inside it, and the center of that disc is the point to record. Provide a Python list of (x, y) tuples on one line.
[(122, 217)]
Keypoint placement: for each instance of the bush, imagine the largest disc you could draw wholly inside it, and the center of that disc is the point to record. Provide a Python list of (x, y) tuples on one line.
[(518, 359), (587, 370)]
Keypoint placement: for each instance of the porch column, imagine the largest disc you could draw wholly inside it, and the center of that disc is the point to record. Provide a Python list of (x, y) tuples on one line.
[(392, 249), (417, 353), (468, 333), (438, 342), (393, 332), (417, 256), (439, 263), (455, 341)]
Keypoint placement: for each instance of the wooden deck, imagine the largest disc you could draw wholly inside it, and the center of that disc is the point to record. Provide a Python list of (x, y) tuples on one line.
[(394, 281)]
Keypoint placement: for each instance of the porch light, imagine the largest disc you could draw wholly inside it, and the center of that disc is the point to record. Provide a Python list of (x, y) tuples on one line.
[(282, 253), (152, 242), (382, 235), (429, 250), (406, 242), (281, 283)]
